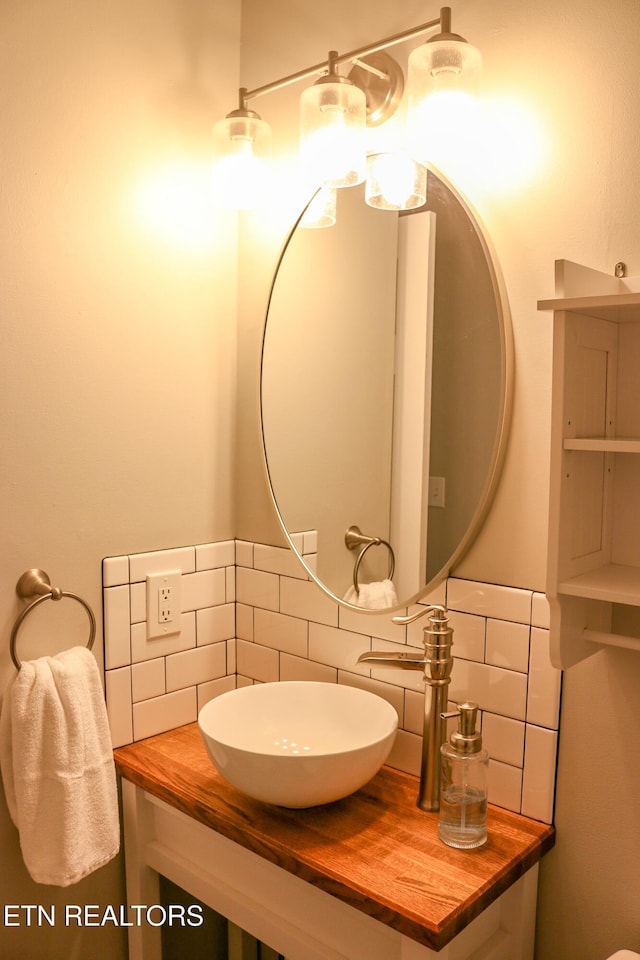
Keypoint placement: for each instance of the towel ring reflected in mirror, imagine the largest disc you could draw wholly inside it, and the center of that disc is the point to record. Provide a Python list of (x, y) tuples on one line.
[(353, 539), (36, 583)]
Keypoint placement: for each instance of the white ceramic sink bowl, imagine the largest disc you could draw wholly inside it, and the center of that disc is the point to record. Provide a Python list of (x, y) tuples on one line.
[(298, 743)]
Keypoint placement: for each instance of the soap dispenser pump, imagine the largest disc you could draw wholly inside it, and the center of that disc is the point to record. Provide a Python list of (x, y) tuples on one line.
[(463, 783)]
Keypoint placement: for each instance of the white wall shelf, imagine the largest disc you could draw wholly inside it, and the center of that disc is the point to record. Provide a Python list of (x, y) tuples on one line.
[(602, 444), (612, 583), (593, 581), (616, 307)]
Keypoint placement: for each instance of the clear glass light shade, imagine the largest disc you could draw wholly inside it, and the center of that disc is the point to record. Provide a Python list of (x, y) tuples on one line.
[(240, 168), (332, 133), (395, 181), (321, 209), (443, 80)]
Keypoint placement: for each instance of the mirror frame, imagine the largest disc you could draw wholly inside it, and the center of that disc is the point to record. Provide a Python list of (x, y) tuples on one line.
[(502, 428)]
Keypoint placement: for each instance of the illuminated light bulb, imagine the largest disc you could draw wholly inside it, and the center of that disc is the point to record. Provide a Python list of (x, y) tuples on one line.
[(395, 181), (447, 128), (240, 168), (443, 77), (445, 58), (332, 127)]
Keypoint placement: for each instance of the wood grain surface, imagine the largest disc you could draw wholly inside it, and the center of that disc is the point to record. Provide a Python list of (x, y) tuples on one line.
[(375, 850)]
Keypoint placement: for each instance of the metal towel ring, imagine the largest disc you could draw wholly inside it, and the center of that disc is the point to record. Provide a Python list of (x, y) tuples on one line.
[(354, 538), (34, 582)]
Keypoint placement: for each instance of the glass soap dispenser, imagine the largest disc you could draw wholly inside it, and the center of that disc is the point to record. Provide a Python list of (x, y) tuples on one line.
[(463, 783)]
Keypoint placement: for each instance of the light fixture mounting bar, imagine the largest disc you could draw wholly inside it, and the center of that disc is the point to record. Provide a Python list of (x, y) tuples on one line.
[(444, 18)]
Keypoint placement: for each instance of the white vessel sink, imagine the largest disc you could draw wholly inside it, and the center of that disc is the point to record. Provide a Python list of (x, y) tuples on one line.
[(298, 743)]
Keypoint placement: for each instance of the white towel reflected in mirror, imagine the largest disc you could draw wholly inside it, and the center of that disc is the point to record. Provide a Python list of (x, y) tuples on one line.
[(378, 595)]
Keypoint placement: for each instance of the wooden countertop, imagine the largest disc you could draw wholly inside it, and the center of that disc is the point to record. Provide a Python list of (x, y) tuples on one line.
[(375, 850)]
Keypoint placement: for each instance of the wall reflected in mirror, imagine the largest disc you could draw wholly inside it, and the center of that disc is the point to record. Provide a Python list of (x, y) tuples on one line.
[(385, 391)]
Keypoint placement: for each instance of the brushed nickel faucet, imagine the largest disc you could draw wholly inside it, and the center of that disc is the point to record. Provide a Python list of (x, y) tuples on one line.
[(436, 662)]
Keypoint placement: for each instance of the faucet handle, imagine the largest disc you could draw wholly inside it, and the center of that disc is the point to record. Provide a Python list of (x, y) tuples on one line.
[(434, 608)]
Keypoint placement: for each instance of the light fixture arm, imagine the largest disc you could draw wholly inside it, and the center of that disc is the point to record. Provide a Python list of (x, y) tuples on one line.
[(445, 28), (443, 21)]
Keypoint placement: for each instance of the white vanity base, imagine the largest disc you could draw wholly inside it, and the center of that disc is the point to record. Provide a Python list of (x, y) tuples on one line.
[(297, 919)]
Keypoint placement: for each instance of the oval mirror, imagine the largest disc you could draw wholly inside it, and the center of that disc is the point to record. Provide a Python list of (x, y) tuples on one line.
[(385, 394)]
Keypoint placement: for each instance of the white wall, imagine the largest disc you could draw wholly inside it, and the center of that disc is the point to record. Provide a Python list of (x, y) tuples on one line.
[(117, 332), (562, 185)]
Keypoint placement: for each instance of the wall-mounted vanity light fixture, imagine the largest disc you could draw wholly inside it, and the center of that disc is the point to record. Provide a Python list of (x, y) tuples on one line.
[(334, 113)]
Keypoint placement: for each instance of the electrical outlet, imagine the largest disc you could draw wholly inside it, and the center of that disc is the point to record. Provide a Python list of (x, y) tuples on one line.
[(436, 491), (164, 604)]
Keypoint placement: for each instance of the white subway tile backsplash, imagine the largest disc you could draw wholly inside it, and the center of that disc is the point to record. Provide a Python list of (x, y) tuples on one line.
[(508, 645), (258, 588), (118, 692), (244, 553), (230, 584), (138, 600), (310, 541), (215, 623), (311, 560), (289, 634), (244, 621), (142, 565), (211, 555), (297, 539), (258, 662), (143, 649), (278, 560), (252, 616), (115, 571), (117, 629), (543, 702), (196, 666), (213, 688), (504, 785), (413, 711), (489, 600), (302, 598), (468, 635), (540, 611), (499, 691), (204, 589), (392, 695), (406, 753), (164, 713), (148, 679), (503, 738), (436, 596), (337, 648), (299, 668), (538, 783), (371, 624), (232, 659)]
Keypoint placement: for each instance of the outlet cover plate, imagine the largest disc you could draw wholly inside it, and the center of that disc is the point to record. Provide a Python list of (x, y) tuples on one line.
[(164, 604)]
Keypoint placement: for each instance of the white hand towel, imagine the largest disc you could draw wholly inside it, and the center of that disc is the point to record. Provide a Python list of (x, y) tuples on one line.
[(57, 767), (374, 596)]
